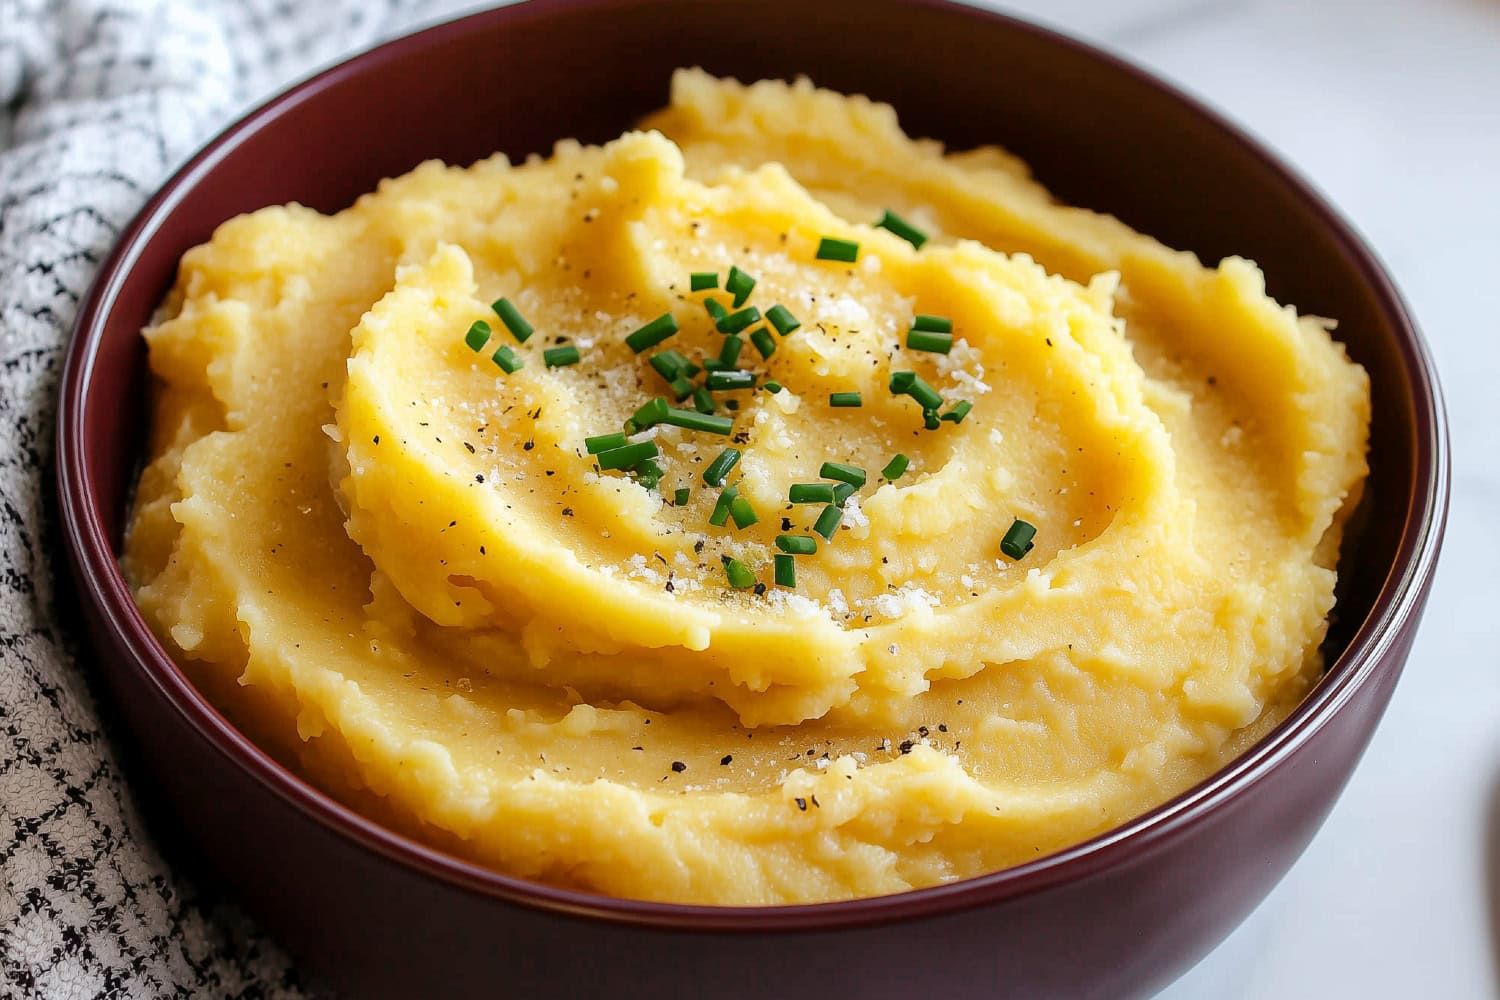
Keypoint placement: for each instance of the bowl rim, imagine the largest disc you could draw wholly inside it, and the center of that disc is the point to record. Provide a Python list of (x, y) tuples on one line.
[(101, 582)]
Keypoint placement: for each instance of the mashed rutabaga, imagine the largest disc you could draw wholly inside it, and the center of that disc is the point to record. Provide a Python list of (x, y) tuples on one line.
[(391, 557)]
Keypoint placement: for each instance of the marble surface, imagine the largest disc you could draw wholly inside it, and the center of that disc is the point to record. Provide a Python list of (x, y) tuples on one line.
[(1392, 109)]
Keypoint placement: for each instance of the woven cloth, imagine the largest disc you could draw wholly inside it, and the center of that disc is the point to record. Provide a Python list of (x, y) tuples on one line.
[(99, 102)]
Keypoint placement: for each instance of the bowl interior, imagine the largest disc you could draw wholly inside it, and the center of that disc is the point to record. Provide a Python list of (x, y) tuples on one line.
[(1098, 133)]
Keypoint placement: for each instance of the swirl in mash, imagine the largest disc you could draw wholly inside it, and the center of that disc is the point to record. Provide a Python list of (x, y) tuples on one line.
[(395, 564)]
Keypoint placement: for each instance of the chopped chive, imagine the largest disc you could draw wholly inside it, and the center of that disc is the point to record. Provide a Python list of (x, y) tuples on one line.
[(648, 473), (895, 468), (763, 341), (931, 420), (681, 496), (669, 364), (739, 284), (782, 319), (604, 442), (737, 321), (652, 333), (786, 571), (845, 399), (650, 414), (702, 280), (718, 469), (702, 401), (901, 382), (891, 222), (924, 394), (560, 357), (507, 360), (627, 457), (830, 248), (772, 387), (729, 353), (810, 493), (932, 324), (742, 512), (715, 308), (960, 410), (828, 522), (843, 473), (720, 513), (1018, 540), (689, 370), (478, 335), (681, 389), (512, 318), (724, 381), (929, 340), (695, 421), (715, 365), (739, 574), (797, 545), (842, 492)]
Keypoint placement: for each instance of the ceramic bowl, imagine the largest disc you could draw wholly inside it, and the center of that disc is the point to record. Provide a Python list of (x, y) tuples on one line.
[(379, 915)]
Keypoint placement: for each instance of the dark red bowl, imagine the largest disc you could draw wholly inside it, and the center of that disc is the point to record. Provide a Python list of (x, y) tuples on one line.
[(1122, 914)]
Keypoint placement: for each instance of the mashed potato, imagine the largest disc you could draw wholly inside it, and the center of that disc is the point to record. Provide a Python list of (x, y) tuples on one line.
[(396, 564)]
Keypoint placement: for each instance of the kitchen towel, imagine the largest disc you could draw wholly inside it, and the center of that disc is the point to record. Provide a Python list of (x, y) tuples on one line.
[(99, 102)]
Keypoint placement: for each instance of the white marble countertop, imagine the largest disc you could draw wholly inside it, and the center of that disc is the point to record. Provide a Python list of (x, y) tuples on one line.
[(1392, 109)]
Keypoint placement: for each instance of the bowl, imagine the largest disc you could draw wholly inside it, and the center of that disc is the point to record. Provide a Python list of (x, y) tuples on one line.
[(379, 915)]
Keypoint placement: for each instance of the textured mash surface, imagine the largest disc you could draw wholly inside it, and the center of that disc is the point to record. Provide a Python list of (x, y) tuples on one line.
[(395, 564)]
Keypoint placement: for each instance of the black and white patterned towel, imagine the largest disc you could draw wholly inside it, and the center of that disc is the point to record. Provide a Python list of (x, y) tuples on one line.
[(99, 101)]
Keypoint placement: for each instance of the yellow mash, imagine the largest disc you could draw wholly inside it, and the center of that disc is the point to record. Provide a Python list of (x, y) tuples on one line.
[(395, 565)]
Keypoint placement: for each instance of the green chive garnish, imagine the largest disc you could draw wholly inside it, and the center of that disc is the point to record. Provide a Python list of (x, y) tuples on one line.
[(724, 381), (701, 280), (478, 335), (895, 468), (720, 513), (715, 308), (737, 321), (739, 284), (604, 442), (797, 545), (627, 457), (702, 401), (695, 421), (715, 365), (681, 496), (649, 474), (650, 414), (730, 352), (782, 319), (960, 410), (669, 364), (1018, 540), (845, 399), (901, 382), (931, 420), (843, 473), (763, 341), (810, 493), (511, 317), (681, 389), (828, 522), (929, 340), (786, 571), (560, 357), (772, 387), (842, 492), (652, 333), (932, 324), (892, 222), (718, 469), (835, 249), (507, 360), (924, 394), (742, 512), (739, 574)]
